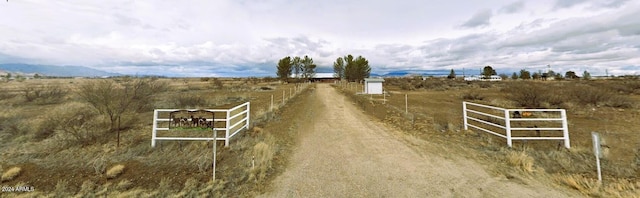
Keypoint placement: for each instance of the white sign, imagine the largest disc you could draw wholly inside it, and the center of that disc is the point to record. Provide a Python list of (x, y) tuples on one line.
[(596, 144)]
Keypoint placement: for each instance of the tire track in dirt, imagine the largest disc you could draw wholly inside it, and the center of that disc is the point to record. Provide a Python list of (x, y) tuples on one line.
[(343, 152)]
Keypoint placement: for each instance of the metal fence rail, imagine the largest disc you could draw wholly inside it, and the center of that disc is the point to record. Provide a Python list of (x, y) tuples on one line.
[(231, 127), (477, 117)]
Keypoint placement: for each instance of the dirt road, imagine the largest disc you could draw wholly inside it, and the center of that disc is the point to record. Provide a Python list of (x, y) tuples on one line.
[(344, 153)]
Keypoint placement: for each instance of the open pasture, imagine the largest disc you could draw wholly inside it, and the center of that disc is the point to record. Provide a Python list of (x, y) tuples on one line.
[(64, 146), (609, 107)]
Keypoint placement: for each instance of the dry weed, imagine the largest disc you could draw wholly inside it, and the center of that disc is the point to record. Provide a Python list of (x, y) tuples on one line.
[(11, 173), (86, 189), (521, 160), (584, 185), (123, 185), (262, 156), (62, 189), (115, 171)]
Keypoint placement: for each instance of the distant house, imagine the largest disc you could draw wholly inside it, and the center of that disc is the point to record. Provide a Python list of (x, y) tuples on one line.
[(324, 77), (483, 78), (373, 85), (319, 77)]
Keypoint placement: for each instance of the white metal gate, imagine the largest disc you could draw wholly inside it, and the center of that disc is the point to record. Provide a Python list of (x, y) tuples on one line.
[(235, 120), (494, 120)]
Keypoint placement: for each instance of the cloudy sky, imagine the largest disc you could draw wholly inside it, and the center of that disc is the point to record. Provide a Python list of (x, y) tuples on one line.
[(247, 37)]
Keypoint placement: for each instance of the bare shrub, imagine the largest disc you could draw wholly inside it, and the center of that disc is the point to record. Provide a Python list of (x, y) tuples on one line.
[(49, 94), (11, 173), (527, 95), (588, 95), (115, 171), (472, 96), (98, 164), (189, 101), (116, 98), (74, 123)]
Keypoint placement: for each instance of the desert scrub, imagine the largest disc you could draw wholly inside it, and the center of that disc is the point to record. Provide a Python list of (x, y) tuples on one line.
[(115, 171), (11, 173), (48, 94)]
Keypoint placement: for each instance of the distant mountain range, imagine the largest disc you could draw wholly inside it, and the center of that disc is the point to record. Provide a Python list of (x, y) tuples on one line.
[(58, 71)]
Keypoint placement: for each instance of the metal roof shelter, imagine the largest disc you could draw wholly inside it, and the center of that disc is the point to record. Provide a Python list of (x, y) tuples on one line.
[(373, 85)]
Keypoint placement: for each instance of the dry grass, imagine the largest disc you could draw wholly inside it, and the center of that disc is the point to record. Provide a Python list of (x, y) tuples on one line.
[(609, 112), (11, 173), (521, 160), (261, 158), (115, 171)]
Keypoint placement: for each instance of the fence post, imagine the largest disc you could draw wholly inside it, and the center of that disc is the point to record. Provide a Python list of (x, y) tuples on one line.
[(155, 126), (464, 115), (228, 123), (215, 144), (507, 126), (248, 114), (271, 107), (565, 128), (406, 104)]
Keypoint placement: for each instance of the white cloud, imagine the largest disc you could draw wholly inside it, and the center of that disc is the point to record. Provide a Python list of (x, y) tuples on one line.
[(223, 37)]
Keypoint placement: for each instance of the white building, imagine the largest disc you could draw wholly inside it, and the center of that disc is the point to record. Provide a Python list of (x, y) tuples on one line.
[(373, 85), (483, 78)]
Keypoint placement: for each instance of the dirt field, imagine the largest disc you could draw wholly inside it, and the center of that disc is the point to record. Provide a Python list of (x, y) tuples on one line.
[(345, 152)]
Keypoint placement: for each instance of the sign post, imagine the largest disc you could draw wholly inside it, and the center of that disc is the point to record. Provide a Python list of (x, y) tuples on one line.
[(598, 153)]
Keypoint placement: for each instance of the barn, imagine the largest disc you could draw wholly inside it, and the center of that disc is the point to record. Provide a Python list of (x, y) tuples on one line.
[(373, 85)]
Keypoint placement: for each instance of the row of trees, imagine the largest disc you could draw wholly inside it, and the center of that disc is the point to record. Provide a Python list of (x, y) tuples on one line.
[(351, 69), (303, 68), (488, 71)]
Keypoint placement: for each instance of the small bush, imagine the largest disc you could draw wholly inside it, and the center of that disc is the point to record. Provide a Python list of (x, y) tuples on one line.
[(74, 123), (472, 96), (527, 95), (587, 95), (115, 171), (11, 173), (50, 94), (189, 101)]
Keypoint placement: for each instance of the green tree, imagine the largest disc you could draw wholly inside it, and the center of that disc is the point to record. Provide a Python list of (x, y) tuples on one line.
[(297, 66), (308, 68), (488, 71), (121, 100), (586, 75), (452, 74), (514, 76), (356, 69), (570, 75), (525, 75), (338, 68), (559, 77), (284, 69), (37, 76), (536, 76), (504, 76)]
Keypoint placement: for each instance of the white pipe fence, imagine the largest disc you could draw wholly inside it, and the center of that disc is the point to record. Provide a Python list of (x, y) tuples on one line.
[(234, 123), (480, 117)]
